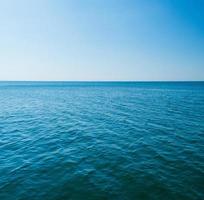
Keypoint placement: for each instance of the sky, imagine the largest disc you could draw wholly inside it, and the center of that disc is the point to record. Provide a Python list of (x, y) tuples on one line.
[(96, 40)]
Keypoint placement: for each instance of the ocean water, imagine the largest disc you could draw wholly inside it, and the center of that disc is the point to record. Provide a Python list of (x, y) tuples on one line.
[(101, 140)]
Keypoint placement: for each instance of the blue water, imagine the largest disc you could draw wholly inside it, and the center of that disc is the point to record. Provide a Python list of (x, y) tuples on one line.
[(101, 140)]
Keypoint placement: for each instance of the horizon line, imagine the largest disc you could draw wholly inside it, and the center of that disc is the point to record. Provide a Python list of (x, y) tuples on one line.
[(101, 80)]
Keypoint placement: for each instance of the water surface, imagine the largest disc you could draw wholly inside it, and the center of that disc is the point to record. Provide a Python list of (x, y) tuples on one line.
[(101, 140)]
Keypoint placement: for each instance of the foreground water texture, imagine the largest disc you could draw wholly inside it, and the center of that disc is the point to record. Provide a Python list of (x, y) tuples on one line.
[(117, 141)]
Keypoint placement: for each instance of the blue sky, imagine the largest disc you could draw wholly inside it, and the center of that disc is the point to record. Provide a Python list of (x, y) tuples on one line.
[(102, 40)]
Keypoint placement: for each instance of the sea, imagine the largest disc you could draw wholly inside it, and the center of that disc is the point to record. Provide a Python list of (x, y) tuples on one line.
[(101, 140)]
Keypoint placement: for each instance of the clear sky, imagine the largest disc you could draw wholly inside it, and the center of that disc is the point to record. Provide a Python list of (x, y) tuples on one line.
[(102, 40)]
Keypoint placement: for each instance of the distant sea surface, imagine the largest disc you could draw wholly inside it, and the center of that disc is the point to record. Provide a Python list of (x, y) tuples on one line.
[(101, 140)]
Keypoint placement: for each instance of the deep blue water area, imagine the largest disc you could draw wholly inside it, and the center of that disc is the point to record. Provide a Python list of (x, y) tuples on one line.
[(101, 140)]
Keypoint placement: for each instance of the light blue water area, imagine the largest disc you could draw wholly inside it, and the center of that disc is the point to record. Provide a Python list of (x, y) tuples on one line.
[(101, 140)]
